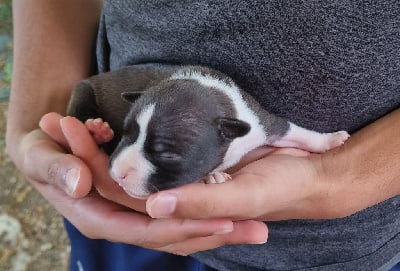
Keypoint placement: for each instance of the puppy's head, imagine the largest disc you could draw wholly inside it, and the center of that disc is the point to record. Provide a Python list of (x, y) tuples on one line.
[(175, 133)]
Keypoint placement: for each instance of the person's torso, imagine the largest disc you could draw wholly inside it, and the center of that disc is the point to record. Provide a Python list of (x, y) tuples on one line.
[(324, 65)]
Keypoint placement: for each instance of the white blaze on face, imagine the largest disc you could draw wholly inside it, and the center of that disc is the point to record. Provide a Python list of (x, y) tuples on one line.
[(130, 168)]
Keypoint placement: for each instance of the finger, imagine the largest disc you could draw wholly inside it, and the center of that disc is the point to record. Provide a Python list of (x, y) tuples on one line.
[(98, 218), (50, 124), (44, 161), (200, 201), (253, 192), (161, 232), (252, 156), (245, 232), (83, 146), (79, 139)]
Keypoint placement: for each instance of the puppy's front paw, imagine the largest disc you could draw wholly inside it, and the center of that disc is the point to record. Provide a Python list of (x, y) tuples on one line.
[(100, 130), (217, 177)]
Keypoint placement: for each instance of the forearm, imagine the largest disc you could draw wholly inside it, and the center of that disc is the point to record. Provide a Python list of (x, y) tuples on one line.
[(366, 170), (53, 50)]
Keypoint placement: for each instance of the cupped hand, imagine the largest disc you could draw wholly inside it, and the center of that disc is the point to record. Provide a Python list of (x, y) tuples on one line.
[(74, 136), (46, 164), (111, 219), (269, 184)]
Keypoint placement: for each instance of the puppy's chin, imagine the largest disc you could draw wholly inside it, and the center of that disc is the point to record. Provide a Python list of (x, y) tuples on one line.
[(133, 189)]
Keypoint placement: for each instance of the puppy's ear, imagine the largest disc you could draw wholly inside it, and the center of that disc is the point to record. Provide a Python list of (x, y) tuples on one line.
[(232, 128), (131, 96)]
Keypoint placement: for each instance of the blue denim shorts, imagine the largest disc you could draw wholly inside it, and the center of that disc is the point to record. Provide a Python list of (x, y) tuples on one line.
[(100, 255)]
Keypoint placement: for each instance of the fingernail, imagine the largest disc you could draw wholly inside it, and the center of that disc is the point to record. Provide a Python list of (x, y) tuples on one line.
[(71, 179), (226, 229), (260, 242), (162, 206)]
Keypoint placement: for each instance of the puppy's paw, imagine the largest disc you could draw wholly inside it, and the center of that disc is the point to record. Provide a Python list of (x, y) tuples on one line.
[(100, 130), (337, 139), (217, 177)]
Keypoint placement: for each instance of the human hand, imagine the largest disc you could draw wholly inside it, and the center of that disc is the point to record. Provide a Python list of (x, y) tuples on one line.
[(97, 217), (269, 184), (69, 130)]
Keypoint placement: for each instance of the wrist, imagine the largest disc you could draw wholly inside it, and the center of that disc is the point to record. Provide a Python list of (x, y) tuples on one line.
[(334, 184), (364, 171), (20, 122)]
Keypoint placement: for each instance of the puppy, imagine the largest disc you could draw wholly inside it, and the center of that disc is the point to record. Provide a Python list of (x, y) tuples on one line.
[(166, 125)]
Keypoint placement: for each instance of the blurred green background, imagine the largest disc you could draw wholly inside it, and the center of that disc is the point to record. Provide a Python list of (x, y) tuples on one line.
[(5, 48), (32, 237)]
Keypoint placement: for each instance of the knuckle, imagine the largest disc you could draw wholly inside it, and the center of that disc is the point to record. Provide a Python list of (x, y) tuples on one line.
[(30, 160), (28, 157), (53, 172), (50, 166)]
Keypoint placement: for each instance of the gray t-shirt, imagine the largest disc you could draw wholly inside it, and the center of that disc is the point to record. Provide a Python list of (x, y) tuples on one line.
[(325, 65)]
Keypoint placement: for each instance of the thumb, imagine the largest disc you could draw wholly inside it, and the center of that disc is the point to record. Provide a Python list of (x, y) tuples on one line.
[(50, 124), (45, 162), (200, 201), (260, 189)]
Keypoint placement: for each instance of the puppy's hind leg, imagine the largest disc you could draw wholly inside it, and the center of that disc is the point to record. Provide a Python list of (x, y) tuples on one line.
[(298, 137)]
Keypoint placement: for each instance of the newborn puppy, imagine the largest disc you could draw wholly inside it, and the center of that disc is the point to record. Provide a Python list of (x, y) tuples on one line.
[(178, 124)]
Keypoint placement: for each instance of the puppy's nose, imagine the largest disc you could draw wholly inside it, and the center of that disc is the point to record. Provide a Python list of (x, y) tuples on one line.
[(123, 175), (119, 175)]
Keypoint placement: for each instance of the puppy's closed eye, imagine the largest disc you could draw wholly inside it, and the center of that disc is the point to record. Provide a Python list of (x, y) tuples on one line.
[(165, 153)]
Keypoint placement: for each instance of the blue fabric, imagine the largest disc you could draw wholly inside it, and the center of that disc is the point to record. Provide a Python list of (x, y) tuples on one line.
[(100, 255), (396, 268)]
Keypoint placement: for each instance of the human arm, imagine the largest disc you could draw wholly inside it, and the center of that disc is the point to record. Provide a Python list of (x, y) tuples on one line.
[(53, 44), (291, 184)]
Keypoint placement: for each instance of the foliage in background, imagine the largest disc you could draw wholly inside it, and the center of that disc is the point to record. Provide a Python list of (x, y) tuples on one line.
[(8, 71), (5, 17), (5, 48)]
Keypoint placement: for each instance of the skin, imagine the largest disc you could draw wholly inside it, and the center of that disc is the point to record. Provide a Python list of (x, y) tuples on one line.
[(363, 172), (42, 83), (335, 184)]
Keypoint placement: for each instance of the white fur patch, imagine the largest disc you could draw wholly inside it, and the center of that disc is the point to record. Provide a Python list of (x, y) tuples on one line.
[(204, 79), (130, 168), (143, 120), (241, 145)]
